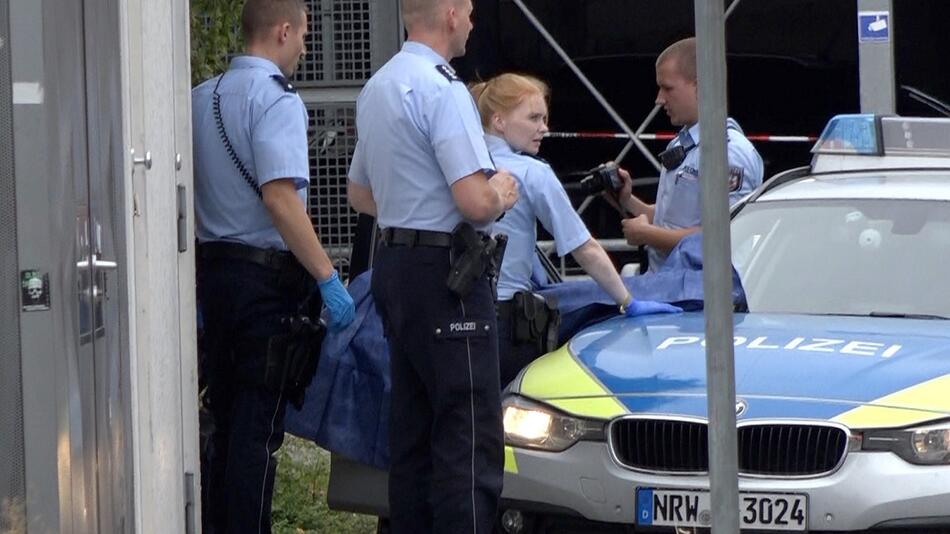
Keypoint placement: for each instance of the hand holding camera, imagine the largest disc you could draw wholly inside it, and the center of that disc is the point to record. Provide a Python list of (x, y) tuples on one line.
[(604, 177)]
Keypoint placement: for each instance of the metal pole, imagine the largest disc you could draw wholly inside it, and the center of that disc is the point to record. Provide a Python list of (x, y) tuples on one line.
[(717, 270), (590, 87), (876, 56), (636, 140), (732, 7)]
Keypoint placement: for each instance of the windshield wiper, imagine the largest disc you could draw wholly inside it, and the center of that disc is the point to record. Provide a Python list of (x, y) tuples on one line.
[(900, 315)]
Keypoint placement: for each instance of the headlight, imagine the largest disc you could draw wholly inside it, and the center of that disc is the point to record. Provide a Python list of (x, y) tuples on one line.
[(923, 445), (537, 426)]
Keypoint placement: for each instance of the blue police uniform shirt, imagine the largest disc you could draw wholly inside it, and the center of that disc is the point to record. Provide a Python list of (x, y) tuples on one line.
[(678, 203), (418, 133), (541, 198), (267, 126)]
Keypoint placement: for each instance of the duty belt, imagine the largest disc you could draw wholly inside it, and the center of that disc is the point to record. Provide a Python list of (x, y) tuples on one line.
[(407, 237), (225, 250)]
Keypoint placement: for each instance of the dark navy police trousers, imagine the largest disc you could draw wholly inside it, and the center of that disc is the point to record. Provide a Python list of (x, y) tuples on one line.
[(446, 438), (242, 305)]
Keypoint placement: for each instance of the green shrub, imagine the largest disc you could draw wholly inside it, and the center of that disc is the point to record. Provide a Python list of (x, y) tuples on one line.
[(215, 36), (300, 494)]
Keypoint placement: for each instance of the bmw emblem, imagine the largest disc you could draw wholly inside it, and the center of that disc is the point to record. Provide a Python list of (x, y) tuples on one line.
[(741, 407)]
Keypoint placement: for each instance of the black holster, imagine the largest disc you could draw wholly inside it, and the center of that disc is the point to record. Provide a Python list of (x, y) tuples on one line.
[(293, 356), (535, 320), (472, 255)]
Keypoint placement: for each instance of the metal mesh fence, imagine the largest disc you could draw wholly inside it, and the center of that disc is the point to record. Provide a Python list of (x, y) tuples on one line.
[(351, 37), (339, 44), (12, 473), (311, 69), (332, 132)]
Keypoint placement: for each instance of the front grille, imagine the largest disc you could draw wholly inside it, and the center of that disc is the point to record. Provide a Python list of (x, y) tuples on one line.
[(661, 445), (774, 449), (790, 449)]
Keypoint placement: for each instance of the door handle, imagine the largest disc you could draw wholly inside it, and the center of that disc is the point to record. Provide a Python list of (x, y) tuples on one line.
[(100, 267), (182, 200), (145, 162), (95, 262)]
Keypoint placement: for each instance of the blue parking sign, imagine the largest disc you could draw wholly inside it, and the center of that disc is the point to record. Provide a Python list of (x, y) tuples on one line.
[(874, 26)]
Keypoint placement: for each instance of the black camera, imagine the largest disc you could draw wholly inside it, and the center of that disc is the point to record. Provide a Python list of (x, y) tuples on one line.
[(600, 178)]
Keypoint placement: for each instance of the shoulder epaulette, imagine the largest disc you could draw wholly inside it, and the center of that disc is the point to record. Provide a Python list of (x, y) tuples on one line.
[(448, 72), (284, 83)]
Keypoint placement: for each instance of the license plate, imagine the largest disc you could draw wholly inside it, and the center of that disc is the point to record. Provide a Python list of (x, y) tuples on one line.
[(689, 508)]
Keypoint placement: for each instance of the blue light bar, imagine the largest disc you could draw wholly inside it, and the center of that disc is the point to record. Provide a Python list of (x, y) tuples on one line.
[(851, 134)]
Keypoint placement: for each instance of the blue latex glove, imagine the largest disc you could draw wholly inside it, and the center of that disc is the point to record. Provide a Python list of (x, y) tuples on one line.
[(648, 307), (338, 302)]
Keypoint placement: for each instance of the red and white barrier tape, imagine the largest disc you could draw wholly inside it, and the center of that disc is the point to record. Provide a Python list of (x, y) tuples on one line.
[(666, 136)]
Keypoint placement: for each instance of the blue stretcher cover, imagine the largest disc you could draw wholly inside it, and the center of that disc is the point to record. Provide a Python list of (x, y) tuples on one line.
[(346, 410)]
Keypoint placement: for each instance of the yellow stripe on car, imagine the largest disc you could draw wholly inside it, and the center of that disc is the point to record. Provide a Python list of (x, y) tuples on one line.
[(560, 380), (916, 404), (511, 464)]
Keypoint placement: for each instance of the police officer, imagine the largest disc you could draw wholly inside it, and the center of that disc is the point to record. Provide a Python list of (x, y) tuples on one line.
[(514, 113), (258, 256), (422, 168), (677, 211)]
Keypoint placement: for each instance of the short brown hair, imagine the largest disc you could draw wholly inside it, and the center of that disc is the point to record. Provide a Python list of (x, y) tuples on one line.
[(260, 15), (684, 53), (504, 93), (422, 12)]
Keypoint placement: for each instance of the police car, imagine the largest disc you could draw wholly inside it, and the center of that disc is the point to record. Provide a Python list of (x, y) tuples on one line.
[(842, 364)]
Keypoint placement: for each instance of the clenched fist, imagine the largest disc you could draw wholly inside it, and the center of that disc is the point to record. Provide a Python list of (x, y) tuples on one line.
[(506, 186)]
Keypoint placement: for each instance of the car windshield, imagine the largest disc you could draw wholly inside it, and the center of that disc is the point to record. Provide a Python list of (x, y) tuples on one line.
[(850, 257)]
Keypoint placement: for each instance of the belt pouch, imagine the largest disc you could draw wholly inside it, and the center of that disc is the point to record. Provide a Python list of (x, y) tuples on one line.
[(524, 316), (293, 357), (535, 320), (303, 356)]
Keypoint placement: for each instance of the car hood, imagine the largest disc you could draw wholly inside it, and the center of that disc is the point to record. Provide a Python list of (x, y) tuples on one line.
[(857, 370)]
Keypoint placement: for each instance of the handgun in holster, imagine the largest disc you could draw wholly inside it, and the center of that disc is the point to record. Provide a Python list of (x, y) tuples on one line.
[(293, 356), (494, 265), (472, 254)]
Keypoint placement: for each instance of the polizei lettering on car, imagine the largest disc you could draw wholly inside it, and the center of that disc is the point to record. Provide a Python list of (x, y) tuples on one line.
[(807, 344)]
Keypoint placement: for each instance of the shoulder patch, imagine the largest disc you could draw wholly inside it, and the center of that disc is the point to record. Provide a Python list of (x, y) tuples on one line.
[(284, 83), (448, 72)]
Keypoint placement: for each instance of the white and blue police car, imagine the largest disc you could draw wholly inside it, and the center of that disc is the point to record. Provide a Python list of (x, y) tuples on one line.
[(842, 364)]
